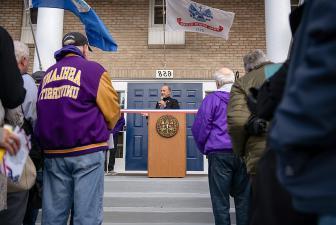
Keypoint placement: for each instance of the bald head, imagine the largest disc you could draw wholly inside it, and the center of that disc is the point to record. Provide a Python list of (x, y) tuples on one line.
[(224, 76)]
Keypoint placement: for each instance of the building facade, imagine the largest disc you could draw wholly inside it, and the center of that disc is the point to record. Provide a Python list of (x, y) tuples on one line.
[(132, 24), (137, 27)]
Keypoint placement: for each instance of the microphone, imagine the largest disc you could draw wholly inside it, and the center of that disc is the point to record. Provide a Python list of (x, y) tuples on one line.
[(161, 106)]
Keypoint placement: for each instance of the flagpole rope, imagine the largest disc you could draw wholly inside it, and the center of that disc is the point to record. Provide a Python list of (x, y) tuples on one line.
[(164, 33), (34, 38)]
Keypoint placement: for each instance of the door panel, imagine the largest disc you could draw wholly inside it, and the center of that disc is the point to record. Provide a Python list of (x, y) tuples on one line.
[(145, 96)]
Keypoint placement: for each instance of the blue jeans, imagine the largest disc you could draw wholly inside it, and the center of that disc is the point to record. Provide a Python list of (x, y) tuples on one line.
[(327, 220), (228, 176), (73, 180)]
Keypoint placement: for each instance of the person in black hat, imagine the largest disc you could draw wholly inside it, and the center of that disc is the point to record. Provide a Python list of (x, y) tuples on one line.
[(76, 109), (76, 39)]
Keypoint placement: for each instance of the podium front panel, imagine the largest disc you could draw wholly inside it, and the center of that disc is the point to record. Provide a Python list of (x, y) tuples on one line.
[(167, 144)]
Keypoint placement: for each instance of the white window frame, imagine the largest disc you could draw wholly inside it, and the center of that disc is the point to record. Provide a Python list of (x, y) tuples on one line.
[(155, 31), (152, 14), (26, 33)]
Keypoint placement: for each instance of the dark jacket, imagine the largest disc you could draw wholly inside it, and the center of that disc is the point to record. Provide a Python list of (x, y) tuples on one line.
[(304, 127), (171, 103), (270, 93), (249, 147), (12, 92)]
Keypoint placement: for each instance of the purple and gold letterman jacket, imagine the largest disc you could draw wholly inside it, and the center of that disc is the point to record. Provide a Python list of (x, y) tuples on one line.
[(76, 106)]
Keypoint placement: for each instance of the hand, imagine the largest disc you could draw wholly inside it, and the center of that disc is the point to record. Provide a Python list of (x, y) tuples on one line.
[(162, 104), (144, 114), (256, 126), (10, 142)]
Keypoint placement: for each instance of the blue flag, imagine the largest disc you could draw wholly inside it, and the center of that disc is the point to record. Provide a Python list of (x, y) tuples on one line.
[(96, 32)]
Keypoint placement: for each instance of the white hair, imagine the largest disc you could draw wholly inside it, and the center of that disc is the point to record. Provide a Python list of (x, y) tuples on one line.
[(21, 50), (224, 76), (253, 59)]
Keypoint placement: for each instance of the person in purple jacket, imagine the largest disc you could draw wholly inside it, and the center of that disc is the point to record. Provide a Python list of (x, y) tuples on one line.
[(227, 172), (76, 109)]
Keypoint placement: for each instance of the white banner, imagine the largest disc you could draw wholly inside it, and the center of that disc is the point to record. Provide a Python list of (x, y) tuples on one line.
[(185, 15)]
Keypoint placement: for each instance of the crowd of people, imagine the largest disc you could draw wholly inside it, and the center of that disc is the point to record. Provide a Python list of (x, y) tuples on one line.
[(75, 97), (280, 121), (269, 136)]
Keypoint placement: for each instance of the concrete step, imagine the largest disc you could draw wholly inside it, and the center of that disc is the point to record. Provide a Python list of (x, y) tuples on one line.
[(160, 200), (127, 184), (157, 215), (151, 215), (138, 200)]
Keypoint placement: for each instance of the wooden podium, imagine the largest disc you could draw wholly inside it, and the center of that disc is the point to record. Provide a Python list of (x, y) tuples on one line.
[(167, 153)]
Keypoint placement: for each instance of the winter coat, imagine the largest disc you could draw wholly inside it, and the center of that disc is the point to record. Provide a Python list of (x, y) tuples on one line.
[(304, 127), (210, 125), (249, 147), (76, 106)]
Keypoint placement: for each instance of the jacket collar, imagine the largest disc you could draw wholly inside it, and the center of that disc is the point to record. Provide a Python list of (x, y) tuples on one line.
[(225, 87), (262, 64), (67, 50), (166, 99)]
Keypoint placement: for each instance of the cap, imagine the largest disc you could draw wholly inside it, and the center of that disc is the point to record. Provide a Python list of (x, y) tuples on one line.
[(38, 76), (76, 39)]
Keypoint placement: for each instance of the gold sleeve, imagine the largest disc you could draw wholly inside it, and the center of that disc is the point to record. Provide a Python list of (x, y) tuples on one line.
[(107, 101)]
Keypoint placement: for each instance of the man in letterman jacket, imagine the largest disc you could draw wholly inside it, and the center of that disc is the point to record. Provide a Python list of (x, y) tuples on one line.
[(76, 108)]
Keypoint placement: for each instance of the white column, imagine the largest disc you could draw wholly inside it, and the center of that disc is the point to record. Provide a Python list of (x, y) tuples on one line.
[(49, 34), (278, 34)]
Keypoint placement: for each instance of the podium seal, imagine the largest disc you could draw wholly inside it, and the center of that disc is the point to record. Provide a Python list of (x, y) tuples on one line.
[(167, 126)]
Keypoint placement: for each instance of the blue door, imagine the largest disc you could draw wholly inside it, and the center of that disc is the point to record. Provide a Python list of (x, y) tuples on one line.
[(145, 96)]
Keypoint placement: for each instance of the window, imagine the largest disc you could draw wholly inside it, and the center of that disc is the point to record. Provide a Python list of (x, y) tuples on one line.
[(156, 28), (26, 33), (158, 12)]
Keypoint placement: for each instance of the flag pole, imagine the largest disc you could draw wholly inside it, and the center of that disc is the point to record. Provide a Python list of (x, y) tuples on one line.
[(27, 6), (164, 33)]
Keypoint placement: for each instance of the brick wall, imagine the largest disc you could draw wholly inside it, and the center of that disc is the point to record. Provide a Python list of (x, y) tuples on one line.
[(128, 22), (11, 17)]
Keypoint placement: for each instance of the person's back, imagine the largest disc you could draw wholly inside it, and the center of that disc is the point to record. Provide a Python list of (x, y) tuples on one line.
[(227, 172), (248, 146), (303, 129), (76, 108), (215, 137), (68, 92)]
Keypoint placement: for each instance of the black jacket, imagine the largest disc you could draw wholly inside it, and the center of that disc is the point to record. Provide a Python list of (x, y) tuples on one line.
[(12, 92), (171, 103), (270, 93), (304, 126)]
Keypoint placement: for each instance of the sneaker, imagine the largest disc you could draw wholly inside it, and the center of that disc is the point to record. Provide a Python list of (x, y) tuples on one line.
[(112, 173)]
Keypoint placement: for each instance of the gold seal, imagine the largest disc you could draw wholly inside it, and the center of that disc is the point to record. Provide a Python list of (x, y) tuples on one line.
[(167, 126)]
